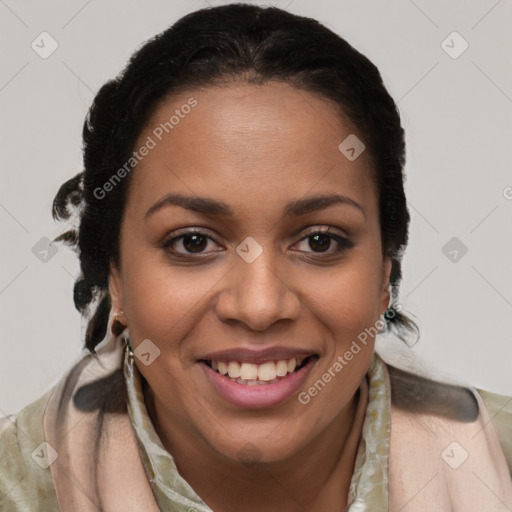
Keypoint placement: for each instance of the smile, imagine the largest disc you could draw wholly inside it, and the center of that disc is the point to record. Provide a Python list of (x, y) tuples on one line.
[(257, 374), (252, 385)]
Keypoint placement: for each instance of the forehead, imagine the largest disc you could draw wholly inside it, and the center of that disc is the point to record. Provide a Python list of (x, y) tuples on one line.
[(243, 142)]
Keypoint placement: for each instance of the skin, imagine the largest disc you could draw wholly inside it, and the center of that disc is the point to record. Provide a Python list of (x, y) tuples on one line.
[(254, 147)]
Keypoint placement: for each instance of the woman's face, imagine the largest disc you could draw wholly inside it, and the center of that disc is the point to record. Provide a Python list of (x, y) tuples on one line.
[(256, 287)]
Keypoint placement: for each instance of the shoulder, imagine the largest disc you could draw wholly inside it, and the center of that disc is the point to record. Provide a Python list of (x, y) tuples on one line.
[(25, 478), (452, 405), (500, 410), (444, 442)]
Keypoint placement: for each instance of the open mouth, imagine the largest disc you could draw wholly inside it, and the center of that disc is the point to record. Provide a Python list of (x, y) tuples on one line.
[(254, 374)]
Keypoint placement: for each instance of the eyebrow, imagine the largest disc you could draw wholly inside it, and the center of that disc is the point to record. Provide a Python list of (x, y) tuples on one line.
[(209, 206)]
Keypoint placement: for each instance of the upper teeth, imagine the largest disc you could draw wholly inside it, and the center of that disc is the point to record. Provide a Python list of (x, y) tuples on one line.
[(264, 371)]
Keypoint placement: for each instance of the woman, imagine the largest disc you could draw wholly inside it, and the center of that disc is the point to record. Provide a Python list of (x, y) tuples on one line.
[(242, 222)]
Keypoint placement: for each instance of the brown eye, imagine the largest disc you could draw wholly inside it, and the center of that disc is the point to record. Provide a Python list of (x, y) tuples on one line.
[(319, 242), (324, 242), (194, 243), (188, 243)]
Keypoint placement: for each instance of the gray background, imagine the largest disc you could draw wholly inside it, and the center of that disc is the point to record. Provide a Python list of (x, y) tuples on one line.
[(456, 112)]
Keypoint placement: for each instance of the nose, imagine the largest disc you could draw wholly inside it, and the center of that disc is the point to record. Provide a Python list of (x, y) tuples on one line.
[(257, 294)]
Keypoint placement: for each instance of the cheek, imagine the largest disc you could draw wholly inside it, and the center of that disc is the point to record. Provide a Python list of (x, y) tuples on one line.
[(348, 296), (163, 302)]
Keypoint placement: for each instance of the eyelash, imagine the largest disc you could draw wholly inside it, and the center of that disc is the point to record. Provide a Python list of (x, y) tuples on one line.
[(343, 243)]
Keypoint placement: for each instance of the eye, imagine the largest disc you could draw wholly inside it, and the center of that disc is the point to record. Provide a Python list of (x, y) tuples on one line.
[(189, 242), (321, 241)]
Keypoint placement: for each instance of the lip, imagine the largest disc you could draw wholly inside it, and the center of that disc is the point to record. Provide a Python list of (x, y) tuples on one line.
[(261, 395), (247, 355)]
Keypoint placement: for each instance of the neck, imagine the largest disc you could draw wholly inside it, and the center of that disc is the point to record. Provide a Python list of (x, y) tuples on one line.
[(316, 479)]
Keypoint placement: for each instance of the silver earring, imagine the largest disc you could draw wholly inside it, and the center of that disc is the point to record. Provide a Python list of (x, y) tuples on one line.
[(129, 350)]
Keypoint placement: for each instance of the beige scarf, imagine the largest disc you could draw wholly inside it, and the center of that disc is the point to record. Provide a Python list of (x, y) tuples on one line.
[(435, 463)]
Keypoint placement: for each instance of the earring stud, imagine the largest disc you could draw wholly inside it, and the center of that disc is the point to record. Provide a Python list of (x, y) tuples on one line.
[(117, 326)]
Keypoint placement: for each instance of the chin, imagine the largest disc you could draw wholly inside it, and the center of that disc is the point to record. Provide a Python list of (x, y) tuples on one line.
[(253, 447)]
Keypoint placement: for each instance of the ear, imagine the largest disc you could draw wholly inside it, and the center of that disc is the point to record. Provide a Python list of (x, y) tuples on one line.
[(115, 288), (385, 286)]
